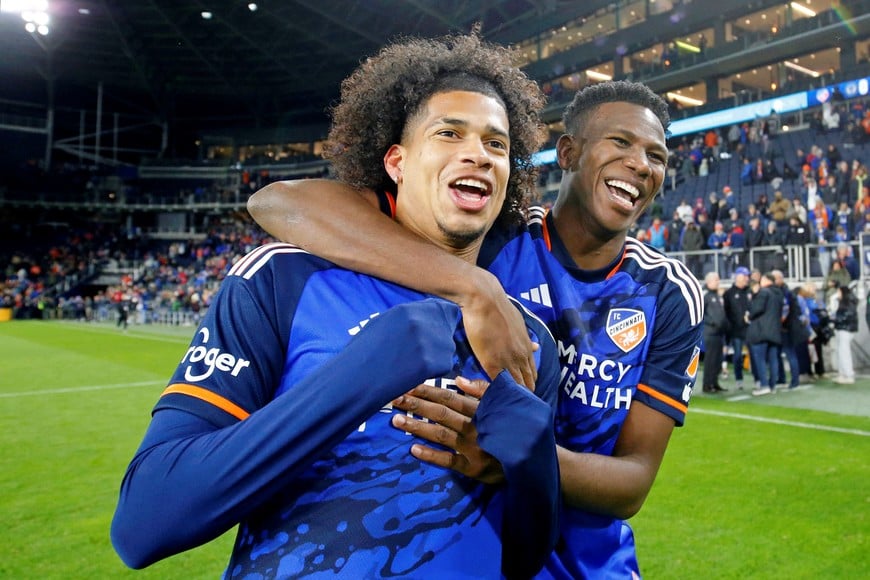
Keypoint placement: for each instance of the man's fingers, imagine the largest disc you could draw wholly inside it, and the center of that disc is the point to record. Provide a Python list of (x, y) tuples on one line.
[(446, 459), (446, 397), (429, 431)]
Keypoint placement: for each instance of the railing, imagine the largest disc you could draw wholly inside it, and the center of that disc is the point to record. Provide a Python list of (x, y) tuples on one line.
[(797, 263)]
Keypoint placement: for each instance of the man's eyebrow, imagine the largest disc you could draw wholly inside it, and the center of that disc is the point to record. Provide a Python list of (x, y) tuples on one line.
[(629, 133), (464, 123)]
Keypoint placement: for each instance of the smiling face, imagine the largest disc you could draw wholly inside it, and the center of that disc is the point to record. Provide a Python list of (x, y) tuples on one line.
[(452, 169), (616, 165)]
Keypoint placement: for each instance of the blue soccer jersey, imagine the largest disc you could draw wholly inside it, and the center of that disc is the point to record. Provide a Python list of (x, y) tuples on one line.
[(627, 333), (358, 505)]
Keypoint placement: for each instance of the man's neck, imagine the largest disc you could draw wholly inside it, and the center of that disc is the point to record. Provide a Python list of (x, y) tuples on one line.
[(591, 248)]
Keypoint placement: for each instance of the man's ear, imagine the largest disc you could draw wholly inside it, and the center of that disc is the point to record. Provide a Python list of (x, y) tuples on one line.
[(394, 161), (568, 151)]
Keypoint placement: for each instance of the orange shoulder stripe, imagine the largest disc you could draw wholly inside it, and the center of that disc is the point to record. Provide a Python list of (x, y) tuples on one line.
[(667, 400), (209, 397)]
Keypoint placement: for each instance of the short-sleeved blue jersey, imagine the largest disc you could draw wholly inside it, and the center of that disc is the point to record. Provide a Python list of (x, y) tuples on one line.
[(366, 508), (629, 332)]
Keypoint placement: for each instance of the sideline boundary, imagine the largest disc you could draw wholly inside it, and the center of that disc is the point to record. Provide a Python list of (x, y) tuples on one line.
[(783, 422), (78, 389)]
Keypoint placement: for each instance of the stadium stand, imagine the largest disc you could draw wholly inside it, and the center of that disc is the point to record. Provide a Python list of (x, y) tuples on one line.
[(154, 222)]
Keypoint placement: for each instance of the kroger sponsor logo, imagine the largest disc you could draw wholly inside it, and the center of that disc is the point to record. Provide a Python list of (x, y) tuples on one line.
[(208, 360)]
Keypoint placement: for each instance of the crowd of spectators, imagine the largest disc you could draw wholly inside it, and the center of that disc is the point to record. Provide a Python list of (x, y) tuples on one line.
[(152, 281), (823, 200)]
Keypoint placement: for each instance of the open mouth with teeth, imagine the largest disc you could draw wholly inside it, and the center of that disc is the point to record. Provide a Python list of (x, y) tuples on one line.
[(623, 192), (470, 194)]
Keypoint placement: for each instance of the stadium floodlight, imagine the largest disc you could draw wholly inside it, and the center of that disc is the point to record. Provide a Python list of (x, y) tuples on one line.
[(252, 6), (206, 15), (802, 69), (33, 12), (798, 7), (19, 6)]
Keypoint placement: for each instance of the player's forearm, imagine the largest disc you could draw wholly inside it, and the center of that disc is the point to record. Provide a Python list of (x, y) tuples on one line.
[(602, 484), (337, 222)]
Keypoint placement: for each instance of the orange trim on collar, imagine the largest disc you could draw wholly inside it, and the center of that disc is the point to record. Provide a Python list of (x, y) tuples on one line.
[(546, 229), (391, 199), (616, 267)]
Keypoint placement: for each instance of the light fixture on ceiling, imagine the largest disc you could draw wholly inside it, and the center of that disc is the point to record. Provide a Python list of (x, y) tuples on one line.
[(802, 69), (598, 76), (685, 100), (798, 7)]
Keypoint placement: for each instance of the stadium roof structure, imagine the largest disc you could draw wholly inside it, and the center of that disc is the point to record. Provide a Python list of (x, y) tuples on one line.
[(226, 63)]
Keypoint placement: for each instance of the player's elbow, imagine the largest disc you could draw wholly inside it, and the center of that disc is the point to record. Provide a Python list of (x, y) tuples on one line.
[(262, 203), (130, 542)]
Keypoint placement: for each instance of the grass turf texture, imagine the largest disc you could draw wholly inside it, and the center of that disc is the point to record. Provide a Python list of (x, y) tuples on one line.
[(735, 497)]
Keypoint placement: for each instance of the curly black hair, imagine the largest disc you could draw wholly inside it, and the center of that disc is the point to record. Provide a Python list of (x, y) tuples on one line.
[(590, 97), (389, 88)]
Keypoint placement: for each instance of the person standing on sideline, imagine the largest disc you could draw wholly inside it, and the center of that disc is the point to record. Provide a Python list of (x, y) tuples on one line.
[(763, 334), (608, 299), (845, 327), (278, 418), (715, 331), (736, 302), (791, 333)]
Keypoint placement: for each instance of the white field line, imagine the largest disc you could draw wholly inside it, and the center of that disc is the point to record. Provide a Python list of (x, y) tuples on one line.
[(111, 330), (78, 389), (783, 422)]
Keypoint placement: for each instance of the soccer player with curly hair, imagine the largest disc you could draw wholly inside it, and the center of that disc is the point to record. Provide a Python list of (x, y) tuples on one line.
[(279, 416)]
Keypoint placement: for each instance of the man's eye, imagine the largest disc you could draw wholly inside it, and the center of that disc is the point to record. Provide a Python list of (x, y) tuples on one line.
[(447, 133), (496, 144)]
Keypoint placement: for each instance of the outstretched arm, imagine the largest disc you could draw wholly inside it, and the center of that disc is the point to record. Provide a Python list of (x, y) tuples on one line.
[(614, 486), (342, 224)]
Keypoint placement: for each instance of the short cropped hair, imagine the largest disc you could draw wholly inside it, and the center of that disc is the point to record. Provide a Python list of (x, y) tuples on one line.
[(591, 97), (388, 89)]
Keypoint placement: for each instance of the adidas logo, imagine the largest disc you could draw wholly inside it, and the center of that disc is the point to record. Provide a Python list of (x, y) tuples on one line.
[(538, 295), (355, 330)]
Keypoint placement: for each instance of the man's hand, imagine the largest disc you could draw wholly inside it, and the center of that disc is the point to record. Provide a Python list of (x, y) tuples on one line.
[(450, 414), (497, 332)]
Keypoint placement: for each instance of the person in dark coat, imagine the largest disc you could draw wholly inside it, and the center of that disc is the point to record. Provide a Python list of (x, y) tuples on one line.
[(715, 329), (763, 334), (736, 302)]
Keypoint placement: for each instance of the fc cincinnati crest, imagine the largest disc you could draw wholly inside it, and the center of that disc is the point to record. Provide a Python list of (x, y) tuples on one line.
[(626, 327)]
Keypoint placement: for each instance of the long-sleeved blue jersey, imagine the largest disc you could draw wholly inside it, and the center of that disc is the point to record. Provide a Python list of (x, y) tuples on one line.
[(628, 332), (278, 418)]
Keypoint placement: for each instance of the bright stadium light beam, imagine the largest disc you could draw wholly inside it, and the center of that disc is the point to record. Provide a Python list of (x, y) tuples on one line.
[(798, 7), (685, 100), (802, 69), (687, 46), (598, 76)]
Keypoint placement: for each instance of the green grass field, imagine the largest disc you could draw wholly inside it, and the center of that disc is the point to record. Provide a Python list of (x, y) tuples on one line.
[(754, 488)]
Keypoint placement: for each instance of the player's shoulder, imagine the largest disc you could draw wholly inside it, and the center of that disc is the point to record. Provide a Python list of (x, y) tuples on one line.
[(535, 324), (268, 258), (672, 275)]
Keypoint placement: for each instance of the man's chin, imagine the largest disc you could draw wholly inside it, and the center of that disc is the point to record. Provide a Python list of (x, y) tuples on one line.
[(462, 237)]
